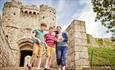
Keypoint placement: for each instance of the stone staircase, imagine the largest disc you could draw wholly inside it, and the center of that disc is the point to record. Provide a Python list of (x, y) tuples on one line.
[(22, 68)]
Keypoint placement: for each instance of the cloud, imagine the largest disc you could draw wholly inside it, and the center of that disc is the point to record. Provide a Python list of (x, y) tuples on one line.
[(85, 1), (62, 5), (61, 12), (87, 15)]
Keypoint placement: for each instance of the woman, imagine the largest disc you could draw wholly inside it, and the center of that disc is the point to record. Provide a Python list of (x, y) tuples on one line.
[(61, 48)]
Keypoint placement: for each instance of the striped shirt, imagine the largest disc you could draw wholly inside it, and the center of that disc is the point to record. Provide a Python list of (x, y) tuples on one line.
[(50, 39)]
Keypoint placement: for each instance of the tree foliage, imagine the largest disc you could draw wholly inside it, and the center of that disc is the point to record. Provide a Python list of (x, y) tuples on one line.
[(105, 12)]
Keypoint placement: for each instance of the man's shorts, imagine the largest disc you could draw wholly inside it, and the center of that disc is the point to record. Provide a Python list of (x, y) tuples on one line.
[(50, 51), (38, 50)]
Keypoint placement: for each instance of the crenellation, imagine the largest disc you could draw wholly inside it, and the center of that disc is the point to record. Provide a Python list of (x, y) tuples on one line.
[(47, 8), (13, 4)]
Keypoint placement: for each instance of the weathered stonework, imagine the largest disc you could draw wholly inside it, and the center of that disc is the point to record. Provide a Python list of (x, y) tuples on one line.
[(16, 24), (77, 57), (6, 59), (19, 20)]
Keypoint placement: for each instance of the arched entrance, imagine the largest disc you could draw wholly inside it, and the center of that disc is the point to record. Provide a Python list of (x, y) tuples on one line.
[(24, 54), (25, 46)]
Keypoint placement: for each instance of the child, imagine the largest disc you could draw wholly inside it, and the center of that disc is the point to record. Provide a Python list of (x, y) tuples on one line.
[(50, 42), (38, 41)]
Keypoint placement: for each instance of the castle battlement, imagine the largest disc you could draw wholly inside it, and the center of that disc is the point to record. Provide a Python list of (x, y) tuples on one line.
[(47, 8), (13, 4), (29, 9), (32, 7)]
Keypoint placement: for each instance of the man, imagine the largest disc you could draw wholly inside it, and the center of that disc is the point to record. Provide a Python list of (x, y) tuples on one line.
[(38, 45), (50, 46), (61, 48)]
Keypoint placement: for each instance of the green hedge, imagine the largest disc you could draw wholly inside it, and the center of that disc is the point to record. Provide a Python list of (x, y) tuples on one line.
[(102, 56)]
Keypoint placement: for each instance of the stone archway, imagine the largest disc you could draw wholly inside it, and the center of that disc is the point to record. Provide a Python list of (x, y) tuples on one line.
[(25, 46), (23, 60)]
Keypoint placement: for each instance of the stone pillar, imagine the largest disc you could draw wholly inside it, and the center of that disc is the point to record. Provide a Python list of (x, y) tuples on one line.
[(81, 57), (77, 57), (81, 51)]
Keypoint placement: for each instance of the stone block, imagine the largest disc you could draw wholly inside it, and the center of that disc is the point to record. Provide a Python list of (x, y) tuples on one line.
[(82, 62), (83, 55), (77, 55)]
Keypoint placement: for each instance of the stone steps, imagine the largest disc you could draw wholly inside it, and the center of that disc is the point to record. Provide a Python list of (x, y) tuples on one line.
[(22, 68)]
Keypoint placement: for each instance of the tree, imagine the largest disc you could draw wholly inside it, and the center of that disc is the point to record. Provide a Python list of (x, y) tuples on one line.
[(105, 12)]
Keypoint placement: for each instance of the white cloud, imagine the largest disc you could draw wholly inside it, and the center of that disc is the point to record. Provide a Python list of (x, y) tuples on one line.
[(62, 5), (85, 1), (87, 15), (60, 12)]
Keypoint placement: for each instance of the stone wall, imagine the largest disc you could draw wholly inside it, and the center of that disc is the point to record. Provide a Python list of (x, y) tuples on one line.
[(77, 57), (6, 54), (99, 42), (79, 41), (19, 20)]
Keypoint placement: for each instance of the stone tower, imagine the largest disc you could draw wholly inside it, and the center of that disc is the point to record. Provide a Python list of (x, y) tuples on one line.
[(77, 49), (47, 15), (18, 21)]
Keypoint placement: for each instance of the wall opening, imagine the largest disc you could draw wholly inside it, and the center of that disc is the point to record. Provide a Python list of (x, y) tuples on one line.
[(23, 54)]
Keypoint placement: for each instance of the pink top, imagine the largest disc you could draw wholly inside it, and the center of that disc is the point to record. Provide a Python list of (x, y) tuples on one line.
[(50, 39)]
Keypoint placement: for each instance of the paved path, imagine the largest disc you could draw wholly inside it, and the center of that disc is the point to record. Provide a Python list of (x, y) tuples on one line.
[(22, 68)]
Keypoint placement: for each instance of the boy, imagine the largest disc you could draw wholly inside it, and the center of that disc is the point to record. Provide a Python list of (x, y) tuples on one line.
[(50, 46), (38, 45)]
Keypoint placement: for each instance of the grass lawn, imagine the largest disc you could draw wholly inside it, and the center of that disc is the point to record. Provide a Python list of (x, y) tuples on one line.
[(102, 56)]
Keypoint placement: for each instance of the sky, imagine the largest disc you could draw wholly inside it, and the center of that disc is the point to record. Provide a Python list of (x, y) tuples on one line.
[(69, 10)]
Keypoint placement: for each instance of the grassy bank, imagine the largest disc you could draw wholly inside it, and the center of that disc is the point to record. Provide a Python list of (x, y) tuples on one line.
[(102, 56)]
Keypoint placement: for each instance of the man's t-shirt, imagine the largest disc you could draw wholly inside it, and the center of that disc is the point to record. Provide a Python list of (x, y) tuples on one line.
[(50, 39), (39, 34)]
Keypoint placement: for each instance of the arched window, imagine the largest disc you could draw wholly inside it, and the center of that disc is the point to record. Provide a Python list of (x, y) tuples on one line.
[(6, 36), (37, 13), (26, 12), (34, 13), (43, 17), (21, 10), (50, 11), (14, 13), (30, 12)]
